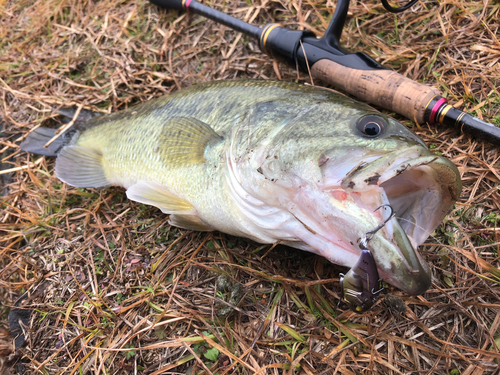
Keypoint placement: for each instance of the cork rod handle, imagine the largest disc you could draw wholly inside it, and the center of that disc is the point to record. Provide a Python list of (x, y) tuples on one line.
[(385, 88)]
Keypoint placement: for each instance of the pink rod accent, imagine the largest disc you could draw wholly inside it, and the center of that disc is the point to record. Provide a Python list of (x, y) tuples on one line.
[(187, 3), (434, 110)]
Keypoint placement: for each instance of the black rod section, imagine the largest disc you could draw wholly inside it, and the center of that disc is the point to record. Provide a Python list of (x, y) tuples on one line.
[(214, 15), (285, 44), (438, 111), (224, 19)]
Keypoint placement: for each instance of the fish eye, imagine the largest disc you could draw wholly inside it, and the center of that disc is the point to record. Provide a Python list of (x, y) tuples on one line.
[(371, 126)]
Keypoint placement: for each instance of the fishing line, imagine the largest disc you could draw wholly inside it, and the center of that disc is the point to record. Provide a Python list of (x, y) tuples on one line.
[(420, 227)]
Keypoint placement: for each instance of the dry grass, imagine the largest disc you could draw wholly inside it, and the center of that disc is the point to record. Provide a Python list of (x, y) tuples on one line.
[(115, 290)]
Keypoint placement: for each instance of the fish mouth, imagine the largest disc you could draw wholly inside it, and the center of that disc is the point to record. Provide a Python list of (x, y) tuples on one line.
[(421, 188)]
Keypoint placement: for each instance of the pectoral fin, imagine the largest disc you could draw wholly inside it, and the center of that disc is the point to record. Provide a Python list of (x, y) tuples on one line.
[(184, 140), (155, 194)]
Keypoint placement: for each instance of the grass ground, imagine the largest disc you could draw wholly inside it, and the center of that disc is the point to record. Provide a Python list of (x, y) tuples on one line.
[(116, 290)]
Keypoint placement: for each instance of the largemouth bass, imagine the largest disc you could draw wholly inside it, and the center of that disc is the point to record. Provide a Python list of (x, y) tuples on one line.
[(271, 161)]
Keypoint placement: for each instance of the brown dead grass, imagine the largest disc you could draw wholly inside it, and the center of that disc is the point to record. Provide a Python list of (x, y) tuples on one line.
[(116, 290)]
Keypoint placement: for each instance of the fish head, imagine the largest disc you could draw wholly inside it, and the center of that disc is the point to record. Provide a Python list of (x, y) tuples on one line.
[(328, 168)]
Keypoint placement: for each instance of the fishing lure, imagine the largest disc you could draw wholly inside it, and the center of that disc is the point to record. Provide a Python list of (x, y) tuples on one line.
[(360, 287)]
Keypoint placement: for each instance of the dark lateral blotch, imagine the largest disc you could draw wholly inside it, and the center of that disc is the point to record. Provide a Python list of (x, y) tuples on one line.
[(373, 180)]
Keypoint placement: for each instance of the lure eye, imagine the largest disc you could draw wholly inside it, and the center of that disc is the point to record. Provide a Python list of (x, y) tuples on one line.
[(371, 126)]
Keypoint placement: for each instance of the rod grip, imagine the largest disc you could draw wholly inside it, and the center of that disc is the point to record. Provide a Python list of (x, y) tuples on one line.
[(384, 88)]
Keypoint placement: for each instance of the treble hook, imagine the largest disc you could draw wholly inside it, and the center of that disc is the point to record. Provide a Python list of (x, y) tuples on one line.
[(363, 244)]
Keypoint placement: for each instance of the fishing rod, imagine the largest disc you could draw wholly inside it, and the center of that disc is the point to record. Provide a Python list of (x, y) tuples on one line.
[(355, 73)]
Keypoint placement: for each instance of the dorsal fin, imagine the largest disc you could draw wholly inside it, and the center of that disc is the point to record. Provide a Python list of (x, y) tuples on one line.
[(155, 194), (184, 139)]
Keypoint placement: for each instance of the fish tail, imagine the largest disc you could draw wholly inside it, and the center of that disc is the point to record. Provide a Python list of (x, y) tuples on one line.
[(69, 115), (77, 166), (35, 142)]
